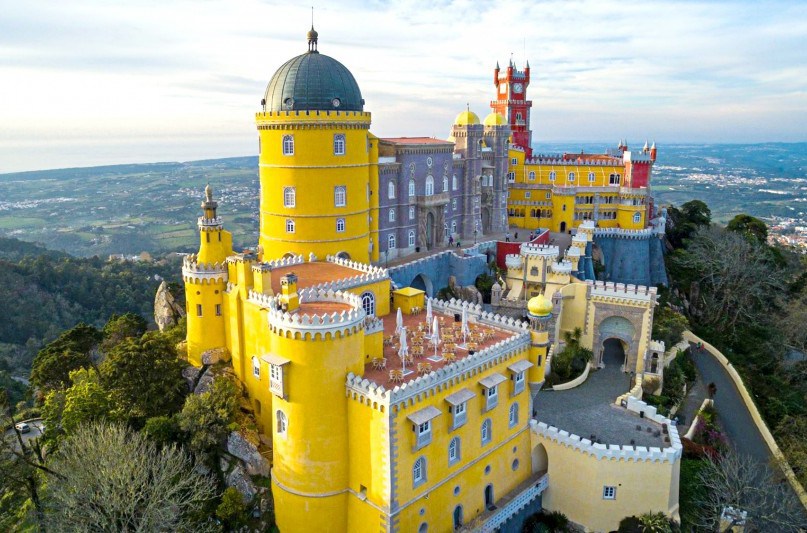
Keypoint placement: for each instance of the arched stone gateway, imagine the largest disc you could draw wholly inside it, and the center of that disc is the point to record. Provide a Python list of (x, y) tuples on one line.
[(422, 282), (540, 460), (613, 327)]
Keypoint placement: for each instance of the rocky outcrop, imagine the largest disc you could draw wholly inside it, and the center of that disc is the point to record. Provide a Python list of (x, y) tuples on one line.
[(167, 311), (236, 476), (255, 463), (468, 293)]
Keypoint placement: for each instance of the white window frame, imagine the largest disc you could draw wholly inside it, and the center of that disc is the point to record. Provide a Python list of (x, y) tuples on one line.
[(454, 204), (519, 382), (531, 175), (391, 241), (340, 196), (340, 225), (454, 182), (487, 431), (514, 161), (339, 144), (445, 183), (276, 380), (256, 367), (368, 303), (423, 433), (454, 451), (549, 196), (429, 186), (411, 238), (491, 397), (391, 190), (281, 422), (592, 177), (511, 177), (527, 194), (637, 217), (453, 226), (411, 188), (552, 175), (460, 415), (391, 215), (289, 197), (290, 225), (288, 145), (419, 472), (512, 417), (571, 176), (411, 212), (608, 492)]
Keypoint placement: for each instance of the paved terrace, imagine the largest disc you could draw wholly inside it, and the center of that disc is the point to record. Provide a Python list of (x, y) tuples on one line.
[(310, 274), (381, 376), (589, 410)]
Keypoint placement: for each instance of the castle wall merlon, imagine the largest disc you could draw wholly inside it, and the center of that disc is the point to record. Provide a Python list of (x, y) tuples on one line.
[(201, 272), (542, 250), (609, 289), (210, 224), (346, 321)]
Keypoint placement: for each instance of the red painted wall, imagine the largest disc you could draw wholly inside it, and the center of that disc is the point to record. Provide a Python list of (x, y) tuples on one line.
[(505, 248)]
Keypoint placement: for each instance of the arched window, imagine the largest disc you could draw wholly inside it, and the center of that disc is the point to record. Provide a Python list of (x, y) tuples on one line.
[(392, 215), (340, 225), (391, 190), (256, 367), (339, 144), (637, 217), (391, 242), (454, 451), (368, 303), (445, 183), (454, 182), (288, 145), (453, 226), (429, 185), (411, 212), (419, 472), (591, 177), (340, 196), (552, 176), (487, 431), (531, 175), (289, 225), (513, 415), (411, 188), (282, 422), (424, 528), (571, 176), (289, 197), (411, 238)]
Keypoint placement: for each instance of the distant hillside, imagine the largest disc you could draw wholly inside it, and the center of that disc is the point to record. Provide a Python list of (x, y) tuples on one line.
[(45, 292)]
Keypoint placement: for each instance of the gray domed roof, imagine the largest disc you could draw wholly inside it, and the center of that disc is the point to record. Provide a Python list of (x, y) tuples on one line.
[(313, 81)]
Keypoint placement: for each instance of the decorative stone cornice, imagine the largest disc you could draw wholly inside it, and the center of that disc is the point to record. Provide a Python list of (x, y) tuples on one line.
[(194, 272)]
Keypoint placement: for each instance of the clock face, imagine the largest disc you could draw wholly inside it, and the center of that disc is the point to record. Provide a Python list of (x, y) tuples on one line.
[(518, 88)]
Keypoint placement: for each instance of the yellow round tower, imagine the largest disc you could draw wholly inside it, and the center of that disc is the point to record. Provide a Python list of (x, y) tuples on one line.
[(205, 276), (317, 338), (315, 160)]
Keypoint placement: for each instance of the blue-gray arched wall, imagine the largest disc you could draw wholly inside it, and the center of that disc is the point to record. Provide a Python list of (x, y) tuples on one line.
[(431, 273)]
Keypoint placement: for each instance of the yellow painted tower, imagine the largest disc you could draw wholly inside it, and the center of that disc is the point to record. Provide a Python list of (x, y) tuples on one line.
[(205, 276), (318, 161)]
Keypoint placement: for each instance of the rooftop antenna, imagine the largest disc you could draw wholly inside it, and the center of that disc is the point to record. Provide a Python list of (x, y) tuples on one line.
[(312, 16)]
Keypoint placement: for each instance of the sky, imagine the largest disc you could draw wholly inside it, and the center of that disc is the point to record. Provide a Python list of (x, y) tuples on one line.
[(91, 82)]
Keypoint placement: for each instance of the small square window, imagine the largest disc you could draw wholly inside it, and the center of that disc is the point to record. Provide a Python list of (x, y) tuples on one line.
[(609, 493), (514, 161)]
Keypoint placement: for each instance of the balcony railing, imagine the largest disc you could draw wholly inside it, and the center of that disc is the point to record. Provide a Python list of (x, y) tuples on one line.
[(434, 199), (512, 503)]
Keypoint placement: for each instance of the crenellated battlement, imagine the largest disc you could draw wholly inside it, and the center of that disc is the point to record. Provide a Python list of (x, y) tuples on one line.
[(514, 261), (210, 224), (670, 454), (624, 233), (560, 159), (544, 250), (609, 289), (562, 267), (194, 272), (573, 252), (313, 325), (355, 265)]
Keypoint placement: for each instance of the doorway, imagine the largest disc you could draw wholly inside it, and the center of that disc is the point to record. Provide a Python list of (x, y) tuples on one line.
[(489, 497)]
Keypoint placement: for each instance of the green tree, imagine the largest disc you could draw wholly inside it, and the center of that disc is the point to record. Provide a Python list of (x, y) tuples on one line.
[(144, 377), (85, 401), (208, 418), (119, 327), (114, 479), (749, 226), (70, 351), (232, 510), (668, 326)]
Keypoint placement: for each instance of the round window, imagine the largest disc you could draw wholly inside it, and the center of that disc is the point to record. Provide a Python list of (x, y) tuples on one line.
[(515, 465), (336, 102)]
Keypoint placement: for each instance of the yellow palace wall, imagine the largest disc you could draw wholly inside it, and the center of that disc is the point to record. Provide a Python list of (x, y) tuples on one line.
[(639, 485), (436, 494)]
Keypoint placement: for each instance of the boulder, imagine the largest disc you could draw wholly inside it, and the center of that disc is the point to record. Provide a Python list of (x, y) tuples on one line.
[(247, 452), (166, 309), (239, 479)]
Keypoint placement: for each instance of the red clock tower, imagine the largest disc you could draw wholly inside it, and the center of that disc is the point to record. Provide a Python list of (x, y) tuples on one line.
[(511, 103)]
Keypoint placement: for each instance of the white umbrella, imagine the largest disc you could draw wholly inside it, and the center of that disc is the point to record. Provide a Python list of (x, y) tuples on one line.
[(465, 330), (398, 321), (435, 336), (428, 312), (403, 351)]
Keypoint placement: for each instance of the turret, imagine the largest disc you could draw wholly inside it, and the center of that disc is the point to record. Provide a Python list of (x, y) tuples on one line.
[(205, 276), (527, 74), (496, 75), (289, 299), (653, 152)]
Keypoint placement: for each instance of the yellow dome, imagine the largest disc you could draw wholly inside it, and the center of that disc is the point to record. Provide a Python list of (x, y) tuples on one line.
[(495, 119), (466, 118), (539, 306)]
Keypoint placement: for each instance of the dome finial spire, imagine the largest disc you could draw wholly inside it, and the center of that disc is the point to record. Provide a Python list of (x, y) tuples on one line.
[(312, 35)]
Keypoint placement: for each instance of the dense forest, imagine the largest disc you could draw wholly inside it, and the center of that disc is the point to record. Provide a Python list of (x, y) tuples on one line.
[(46, 292)]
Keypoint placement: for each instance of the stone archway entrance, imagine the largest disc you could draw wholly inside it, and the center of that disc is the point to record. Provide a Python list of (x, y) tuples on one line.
[(540, 460), (617, 339), (422, 282), (613, 352)]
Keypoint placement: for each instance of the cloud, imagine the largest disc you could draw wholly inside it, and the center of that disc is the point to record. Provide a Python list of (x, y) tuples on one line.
[(727, 71)]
